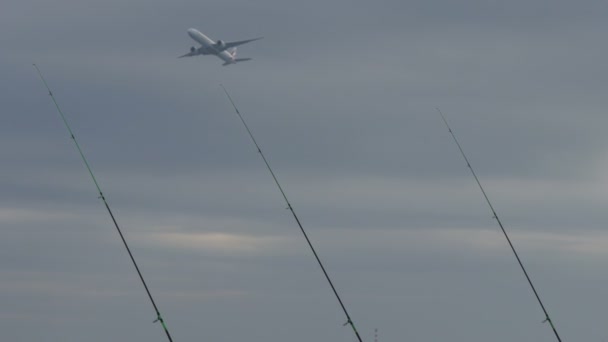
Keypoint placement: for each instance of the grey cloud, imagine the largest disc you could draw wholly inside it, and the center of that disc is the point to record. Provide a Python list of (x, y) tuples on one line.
[(341, 97)]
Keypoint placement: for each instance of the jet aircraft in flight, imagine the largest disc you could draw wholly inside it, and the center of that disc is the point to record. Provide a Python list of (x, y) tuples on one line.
[(226, 51)]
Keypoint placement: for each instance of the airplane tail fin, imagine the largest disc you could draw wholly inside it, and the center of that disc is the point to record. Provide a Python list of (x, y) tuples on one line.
[(237, 60)]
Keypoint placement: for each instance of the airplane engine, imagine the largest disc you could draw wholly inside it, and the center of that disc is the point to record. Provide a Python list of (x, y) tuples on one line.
[(192, 49), (220, 44)]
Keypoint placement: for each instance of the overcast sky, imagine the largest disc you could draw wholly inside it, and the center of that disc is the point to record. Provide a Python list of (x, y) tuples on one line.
[(341, 96)]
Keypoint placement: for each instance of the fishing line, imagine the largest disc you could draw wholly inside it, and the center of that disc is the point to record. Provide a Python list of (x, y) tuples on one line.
[(495, 216), (349, 320), (102, 197)]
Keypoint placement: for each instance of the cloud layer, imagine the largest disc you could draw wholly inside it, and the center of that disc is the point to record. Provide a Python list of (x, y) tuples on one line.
[(341, 96)]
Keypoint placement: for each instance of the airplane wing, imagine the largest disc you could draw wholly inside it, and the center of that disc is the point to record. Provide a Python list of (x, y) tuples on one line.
[(240, 42)]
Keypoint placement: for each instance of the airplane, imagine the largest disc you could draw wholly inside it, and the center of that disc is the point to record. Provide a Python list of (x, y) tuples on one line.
[(226, 51)]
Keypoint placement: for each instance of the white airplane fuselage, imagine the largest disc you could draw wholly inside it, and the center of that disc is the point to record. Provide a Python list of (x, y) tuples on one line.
[(209, 45)]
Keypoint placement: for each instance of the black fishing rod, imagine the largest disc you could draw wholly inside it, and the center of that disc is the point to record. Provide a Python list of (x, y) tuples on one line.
[(495, 216), (349, 321), (102, 197)]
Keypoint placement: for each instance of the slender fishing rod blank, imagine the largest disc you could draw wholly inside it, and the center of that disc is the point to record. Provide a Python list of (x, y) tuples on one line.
[(495, 216), (102, 197), (349, 321)]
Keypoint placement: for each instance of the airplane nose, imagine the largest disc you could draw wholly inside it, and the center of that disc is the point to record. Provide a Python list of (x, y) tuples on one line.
[(191, 32)]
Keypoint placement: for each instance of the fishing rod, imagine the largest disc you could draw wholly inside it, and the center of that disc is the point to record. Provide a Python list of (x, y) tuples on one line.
[(495, 216), (105, 202), (349, 321)]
